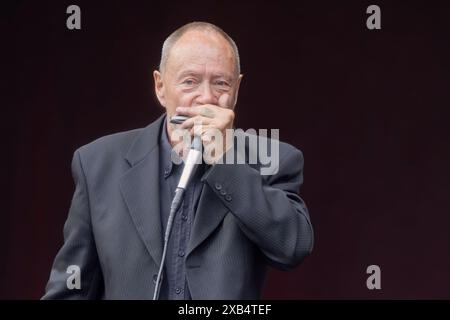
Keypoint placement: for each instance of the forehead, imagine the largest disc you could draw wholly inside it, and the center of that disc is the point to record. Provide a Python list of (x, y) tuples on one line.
[(200, 50)]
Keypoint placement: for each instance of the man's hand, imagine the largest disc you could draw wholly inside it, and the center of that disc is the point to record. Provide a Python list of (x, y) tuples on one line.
[(207, 120)]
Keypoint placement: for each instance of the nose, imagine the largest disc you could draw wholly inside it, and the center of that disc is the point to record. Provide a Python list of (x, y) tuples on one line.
[(206, 95)]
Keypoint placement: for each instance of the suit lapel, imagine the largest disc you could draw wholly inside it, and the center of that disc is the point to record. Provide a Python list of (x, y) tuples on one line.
[(140, 188), (210, 212)]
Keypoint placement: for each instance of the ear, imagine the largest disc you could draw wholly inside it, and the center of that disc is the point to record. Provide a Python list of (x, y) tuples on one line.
[(238, 83), (159, 87)]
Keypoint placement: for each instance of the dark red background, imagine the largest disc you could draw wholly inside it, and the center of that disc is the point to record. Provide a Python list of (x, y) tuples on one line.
[(369, 109)]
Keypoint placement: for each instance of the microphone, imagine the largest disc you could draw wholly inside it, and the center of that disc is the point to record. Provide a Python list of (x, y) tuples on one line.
[(190, 165)]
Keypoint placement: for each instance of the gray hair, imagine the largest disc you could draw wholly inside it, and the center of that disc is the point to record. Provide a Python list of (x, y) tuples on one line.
[(201, 26)]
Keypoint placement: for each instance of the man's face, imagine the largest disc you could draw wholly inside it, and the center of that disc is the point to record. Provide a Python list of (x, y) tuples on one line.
[(200, 68)]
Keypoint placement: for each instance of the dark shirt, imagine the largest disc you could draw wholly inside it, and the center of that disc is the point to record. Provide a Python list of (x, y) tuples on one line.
[(174, 284)]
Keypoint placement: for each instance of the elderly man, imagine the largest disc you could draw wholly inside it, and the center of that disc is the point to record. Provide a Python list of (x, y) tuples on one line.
[(233, 221)]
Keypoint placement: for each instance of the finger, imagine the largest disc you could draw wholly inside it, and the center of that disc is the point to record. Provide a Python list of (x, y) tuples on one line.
[(203, 110), (186, 111), (197, 120), (200, 129), (224, 101), (206, 110)]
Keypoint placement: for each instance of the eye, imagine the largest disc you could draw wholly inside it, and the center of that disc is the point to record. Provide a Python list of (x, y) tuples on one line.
[(222, 84), (189, 82)]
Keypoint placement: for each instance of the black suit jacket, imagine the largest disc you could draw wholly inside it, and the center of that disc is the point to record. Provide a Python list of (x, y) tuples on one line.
[(113, 232)]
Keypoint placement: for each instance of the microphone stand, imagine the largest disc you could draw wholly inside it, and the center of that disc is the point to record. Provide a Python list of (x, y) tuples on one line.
[(190, 165)]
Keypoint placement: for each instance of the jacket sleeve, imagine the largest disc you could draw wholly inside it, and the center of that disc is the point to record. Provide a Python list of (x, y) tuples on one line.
[(78, 250), (268, 210)]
